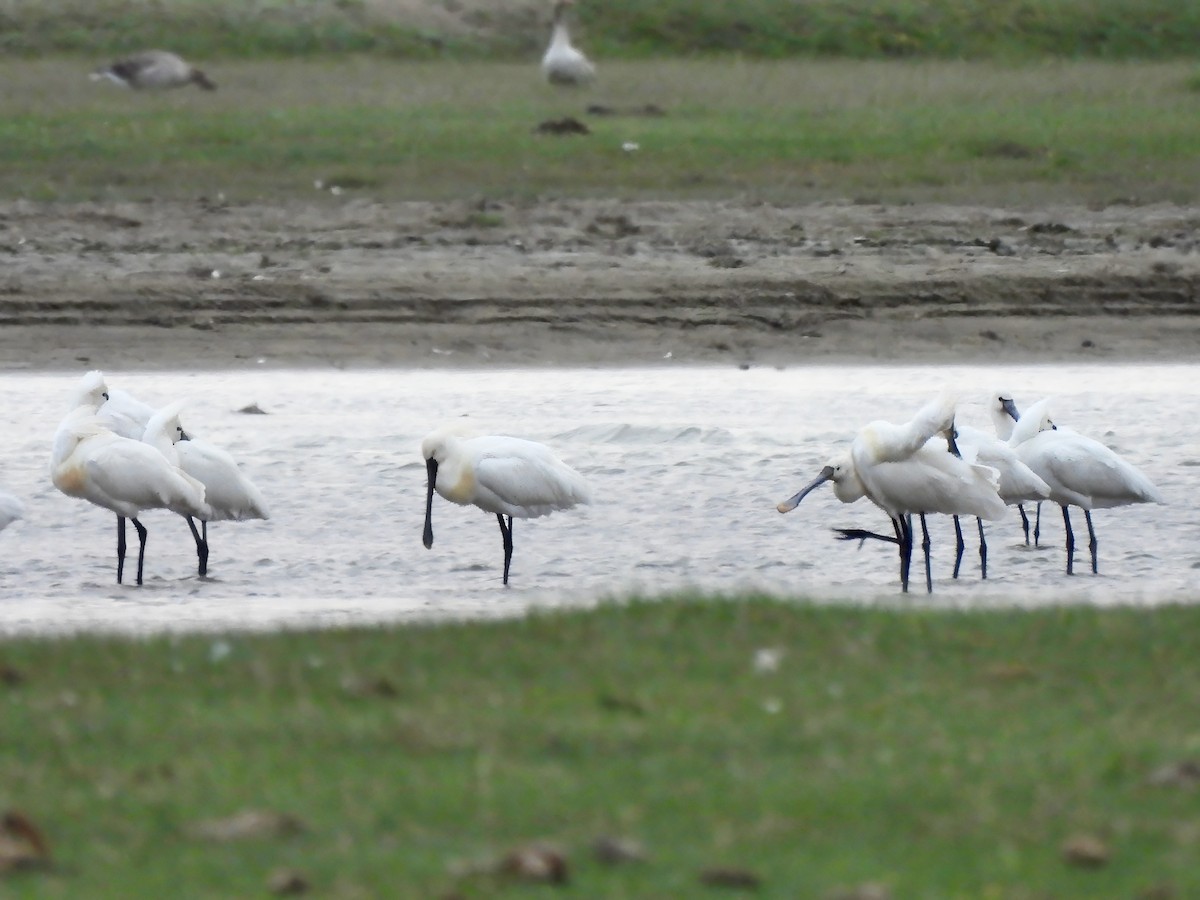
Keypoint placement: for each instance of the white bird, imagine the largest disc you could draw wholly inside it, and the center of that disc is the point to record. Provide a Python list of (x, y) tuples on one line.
[(119, 474), (1018, 482), (153, 70), (929, 480), (11, 509), (508, 476), (903, 470), (1080, 472), (228, 494), (562, 63), (119, 411)]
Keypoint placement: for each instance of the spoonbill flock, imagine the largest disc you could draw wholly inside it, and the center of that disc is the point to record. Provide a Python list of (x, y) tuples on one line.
[(127, 457), (120, 454), (921, 467)]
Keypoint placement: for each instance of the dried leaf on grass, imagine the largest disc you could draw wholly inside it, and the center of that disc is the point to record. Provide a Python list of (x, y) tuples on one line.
[(613, 850), (1182, 774), (1086, 851), (369, 686), (535, 862), (249, 824), (287, 882), (22, 844), (741, 879)]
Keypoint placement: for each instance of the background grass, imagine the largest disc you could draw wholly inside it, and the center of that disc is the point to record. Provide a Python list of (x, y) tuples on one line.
[(943, 755), (864, 29), (782, 131)]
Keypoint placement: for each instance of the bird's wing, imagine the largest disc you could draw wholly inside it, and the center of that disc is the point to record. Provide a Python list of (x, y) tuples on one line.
[(531, 482), (227, 490)]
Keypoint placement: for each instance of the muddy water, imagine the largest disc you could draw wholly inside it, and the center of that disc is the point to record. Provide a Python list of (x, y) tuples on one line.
[(687, 465)]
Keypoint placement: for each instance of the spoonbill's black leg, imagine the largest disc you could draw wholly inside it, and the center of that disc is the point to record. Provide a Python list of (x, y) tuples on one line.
[(506, 534), (120, 547), (959, 546), (925, 548), (982, 551), (1070, 542), (1037, 524), (1024, 522), (201, 545), (141, 530), (1092, 544), (898, 524), (906, 523)]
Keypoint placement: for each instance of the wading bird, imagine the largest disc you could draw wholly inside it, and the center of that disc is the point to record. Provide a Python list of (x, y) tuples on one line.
[(562, 63), (508, 476), (119, 474), (1018, 482), (153, 70), (904, 470), (228, 494), (118, 411), (1080, 472)]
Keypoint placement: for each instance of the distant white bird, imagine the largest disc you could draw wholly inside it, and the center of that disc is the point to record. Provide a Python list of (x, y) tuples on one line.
[(562, 63), (119, 411), (228, 494), (153, 70), (119, 474), (11, 509), (508, 476), (1080, 472)]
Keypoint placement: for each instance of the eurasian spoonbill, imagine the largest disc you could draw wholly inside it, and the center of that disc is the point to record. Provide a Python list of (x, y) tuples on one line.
[(228, 494), (153, 70), (1018, 482), (508, 476), (125, 476), (119, 411), (1080, 472), (562, 63)]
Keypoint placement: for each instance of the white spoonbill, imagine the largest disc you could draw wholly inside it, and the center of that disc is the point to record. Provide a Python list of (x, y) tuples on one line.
[(1018, 482), (119, 411), (562, 63), (153, 70), (1080, 472), (11, 509), (929, 480), (937, 481), (508, 476), (228, 494), (119, 474)]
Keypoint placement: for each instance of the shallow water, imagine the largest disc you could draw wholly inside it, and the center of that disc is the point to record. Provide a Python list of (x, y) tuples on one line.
[(687, 465)]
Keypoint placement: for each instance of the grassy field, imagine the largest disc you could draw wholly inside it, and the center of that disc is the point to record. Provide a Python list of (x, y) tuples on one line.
[(1083, 131), (482, 29), (942, 755)]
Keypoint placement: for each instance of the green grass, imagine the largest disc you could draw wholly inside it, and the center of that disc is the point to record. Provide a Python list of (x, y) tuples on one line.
[(477, 29), (1089, 132), (943, 754)]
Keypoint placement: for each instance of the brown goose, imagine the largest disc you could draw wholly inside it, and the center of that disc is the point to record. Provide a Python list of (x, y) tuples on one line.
[(153, 70)]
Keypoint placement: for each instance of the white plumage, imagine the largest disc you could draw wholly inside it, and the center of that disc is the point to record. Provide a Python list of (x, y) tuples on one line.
[(125, 476), (908, 469), (510, 477), (229, 494), (562, 63), (1079, 471)]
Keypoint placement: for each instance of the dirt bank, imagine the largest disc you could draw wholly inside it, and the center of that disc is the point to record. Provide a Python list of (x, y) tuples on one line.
[(348, 282)]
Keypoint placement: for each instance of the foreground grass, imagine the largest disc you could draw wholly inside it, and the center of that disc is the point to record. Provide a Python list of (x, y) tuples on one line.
[(1113, 29), (1087, 132), (942, 754)]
